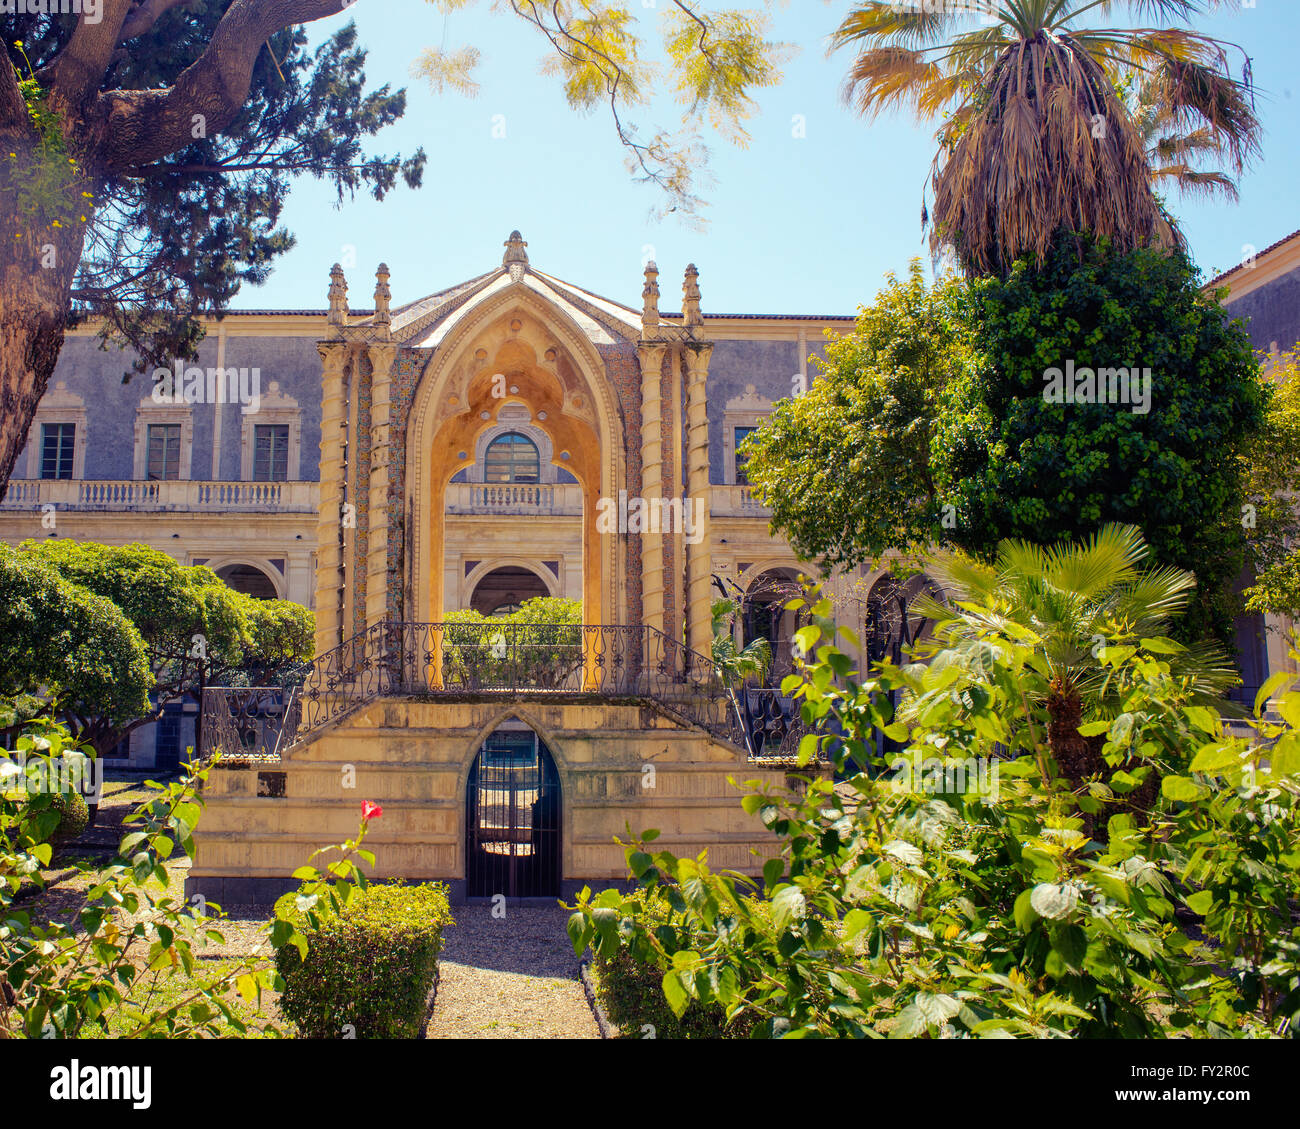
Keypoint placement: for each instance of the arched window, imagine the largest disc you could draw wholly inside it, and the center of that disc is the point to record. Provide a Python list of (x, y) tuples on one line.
[(249, 580), (511, 458)]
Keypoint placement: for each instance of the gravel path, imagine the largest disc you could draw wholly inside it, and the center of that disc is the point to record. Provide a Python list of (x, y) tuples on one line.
[(510, 978)]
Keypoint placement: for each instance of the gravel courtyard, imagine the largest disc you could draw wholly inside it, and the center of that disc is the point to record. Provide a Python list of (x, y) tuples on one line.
[(510, 978)]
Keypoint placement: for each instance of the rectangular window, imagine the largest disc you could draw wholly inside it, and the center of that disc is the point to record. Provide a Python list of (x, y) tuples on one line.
[(271, 453), (742, 433), (164, 463), (58, 443)]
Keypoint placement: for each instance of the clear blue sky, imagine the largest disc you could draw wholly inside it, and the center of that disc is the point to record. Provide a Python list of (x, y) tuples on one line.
[(794, 225)]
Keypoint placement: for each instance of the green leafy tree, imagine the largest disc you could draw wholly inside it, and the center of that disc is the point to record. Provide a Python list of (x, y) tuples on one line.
[(846, 466), (194, 627), (1016, 462), (954, 891), (604, 58), (282, 636), (70, 652), (931, 425), (1272, 516), (145, 159), (540, 644), (1036, 138)]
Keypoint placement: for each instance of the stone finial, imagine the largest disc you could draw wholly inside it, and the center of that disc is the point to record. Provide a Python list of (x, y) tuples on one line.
[(383, 295), (338, 314), (515, 259), (691, 297), (650, 296)]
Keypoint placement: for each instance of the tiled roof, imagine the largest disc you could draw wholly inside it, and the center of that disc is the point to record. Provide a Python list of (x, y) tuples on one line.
[(1259, 255)]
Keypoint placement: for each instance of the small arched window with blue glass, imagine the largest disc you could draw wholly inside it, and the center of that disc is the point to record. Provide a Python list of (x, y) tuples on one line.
[(511, 458)]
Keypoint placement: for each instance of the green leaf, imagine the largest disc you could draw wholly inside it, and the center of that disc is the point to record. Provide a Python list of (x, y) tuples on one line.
[(787, 905), (1216, 758), (1201, 902), (1284, 757), (855, 922), (773, 872), (1181, 789), (1162, 646), (674, 993), (1271, 685), (1071, 943), (1025, 914)]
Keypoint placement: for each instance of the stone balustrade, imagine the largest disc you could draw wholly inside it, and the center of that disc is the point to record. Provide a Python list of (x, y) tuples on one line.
[(172, 496)]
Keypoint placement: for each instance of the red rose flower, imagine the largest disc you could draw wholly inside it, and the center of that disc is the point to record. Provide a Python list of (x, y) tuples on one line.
[(370, 810)]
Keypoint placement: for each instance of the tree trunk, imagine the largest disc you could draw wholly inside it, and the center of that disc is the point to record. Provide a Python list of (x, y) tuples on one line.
[(38, 261), (1075, 759)]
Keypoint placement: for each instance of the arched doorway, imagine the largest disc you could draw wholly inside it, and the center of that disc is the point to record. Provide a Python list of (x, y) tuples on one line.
[(503, 590), (512, 817), (765, 616), (894, 624)]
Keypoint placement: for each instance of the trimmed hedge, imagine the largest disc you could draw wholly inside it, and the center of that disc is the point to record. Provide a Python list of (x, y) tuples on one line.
[(631, 993), (372, 967)]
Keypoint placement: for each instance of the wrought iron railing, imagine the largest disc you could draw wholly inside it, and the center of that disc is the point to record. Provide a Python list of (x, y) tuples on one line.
[(508, 660)]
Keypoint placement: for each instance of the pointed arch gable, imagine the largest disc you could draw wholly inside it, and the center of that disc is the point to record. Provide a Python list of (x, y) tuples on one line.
[(439, 379)]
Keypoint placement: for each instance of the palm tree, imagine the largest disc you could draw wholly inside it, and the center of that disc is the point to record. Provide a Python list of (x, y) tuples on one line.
[(1072, 597), (736, 664), (1186, 121), (1036, 138)]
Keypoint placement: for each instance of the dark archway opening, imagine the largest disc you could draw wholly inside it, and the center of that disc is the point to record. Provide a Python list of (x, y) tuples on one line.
[(503, 590), (248, 579), (513, 817)]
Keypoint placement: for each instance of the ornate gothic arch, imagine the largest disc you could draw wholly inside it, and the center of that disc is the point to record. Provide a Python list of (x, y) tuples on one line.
[(580, 415)]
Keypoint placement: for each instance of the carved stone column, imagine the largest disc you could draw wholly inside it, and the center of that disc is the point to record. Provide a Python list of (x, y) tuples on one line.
[(652, 482), (699, 563), (382, 355), (381, 360), (329, 529), (651, 350)]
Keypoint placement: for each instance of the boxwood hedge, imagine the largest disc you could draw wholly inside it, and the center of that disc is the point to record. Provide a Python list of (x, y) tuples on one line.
[(370, 968)]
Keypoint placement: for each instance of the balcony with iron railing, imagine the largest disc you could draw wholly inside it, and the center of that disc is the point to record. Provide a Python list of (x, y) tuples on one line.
[(459, 661), (175, 496)]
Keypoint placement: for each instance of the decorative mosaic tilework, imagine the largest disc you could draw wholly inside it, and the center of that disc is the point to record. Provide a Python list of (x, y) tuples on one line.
[(361, 497), (408, 368)]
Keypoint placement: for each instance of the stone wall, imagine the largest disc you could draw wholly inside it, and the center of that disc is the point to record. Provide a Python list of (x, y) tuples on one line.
[(413, 757)]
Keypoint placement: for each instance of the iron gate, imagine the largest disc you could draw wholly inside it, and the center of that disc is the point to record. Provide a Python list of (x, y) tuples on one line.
[(512, 819)]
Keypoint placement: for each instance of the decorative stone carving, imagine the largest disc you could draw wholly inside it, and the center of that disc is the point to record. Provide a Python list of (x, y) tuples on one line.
[(515, 259), (338, 297)]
